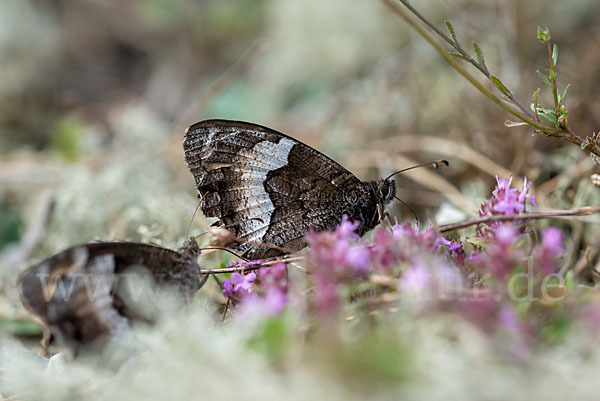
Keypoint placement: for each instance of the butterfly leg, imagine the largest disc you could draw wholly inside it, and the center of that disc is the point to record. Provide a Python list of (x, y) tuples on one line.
[(389, 219), (382, 215), (203, 280)]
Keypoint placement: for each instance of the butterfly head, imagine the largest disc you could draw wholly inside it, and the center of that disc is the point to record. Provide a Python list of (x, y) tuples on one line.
[(386, 190)]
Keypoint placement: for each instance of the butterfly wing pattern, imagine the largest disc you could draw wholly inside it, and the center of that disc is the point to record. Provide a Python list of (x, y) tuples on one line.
[(269, 188), (75, 292)]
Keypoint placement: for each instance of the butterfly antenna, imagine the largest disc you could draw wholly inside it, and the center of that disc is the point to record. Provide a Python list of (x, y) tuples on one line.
[(409, 208), (435, 164), (187, 231), (220, 248)]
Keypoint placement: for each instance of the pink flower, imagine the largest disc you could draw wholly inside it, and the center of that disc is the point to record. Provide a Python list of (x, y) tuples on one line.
[(336, 258), (358, 257), (545, 256), (502, 254), (337, 253), (273, 276), (523, 196), (386, 249), (405, 242), (269, 291), (327, 297), (455, 246), (238, 285), (275, 301), (346, 228), (271, 295), (506, 234), (431, 279), (415, 279), (553, 240), (506, 200), (405, 230)]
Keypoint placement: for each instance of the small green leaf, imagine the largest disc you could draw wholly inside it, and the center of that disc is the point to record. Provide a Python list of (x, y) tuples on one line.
[(477, 242), (570, 282), (542, 109), (451, 30), (548, 116), (535, 101), (501, 87), (555, 54), (552, 74), (479, 55), (543, 34), (584, 145), (511, 124), (545, 79), (556, 330), (564, 94), (67, 137), (562, 117), (458, 55)]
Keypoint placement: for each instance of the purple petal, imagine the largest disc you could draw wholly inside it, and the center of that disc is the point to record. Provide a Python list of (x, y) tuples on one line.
[(553, 240)]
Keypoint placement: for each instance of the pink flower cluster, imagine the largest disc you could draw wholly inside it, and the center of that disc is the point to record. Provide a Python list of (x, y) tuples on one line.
[(272, 297), (262, 293), (336, 257), (502, 254), (404, 242), (238, 285), (546, 255), (338, 250), (506, 200), (471, 278), (338, 261)]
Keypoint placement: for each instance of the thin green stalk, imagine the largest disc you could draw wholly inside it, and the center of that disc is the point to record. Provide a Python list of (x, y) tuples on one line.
[(459, 68), (562, 134), (553, 77), (466, 55)]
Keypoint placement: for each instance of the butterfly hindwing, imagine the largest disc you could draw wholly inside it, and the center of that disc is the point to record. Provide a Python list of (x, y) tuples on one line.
[(71, 292), (269, 188)]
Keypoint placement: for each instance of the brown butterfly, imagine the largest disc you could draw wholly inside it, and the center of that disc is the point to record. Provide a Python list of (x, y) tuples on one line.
[(78, 292), (270, 189)]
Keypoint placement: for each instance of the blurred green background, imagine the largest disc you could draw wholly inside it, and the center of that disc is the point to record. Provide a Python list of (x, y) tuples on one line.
[(96, 96)]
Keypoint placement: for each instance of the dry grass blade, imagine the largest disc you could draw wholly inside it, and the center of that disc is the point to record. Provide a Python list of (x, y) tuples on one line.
[(525, 216), (257, 266), (226, 79)]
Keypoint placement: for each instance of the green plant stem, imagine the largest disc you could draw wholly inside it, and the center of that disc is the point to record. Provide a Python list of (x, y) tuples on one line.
[(465, 54), (561, 134), (459, 68)]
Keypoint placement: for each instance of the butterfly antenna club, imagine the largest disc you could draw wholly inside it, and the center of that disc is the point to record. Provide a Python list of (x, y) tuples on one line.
[(435, 164)]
